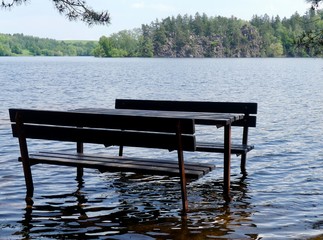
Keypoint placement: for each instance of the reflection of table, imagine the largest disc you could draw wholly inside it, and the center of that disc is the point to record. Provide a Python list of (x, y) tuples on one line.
[(206, 118)]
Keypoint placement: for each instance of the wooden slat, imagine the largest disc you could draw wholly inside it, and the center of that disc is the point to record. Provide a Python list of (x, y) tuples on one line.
[(124, 164), (205, 118), (218, 147), (190, 106), (107, 137), (190, 165), (250, 121), (96, 120), (195, 106)]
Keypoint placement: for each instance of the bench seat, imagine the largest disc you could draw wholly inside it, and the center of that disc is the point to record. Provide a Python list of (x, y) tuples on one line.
[(121, 164), (237, 149), (151, 132)]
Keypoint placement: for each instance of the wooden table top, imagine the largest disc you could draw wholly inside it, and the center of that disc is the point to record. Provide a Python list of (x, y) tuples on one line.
[(205, 118)]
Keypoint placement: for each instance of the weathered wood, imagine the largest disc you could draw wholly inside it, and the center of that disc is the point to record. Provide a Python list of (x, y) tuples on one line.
[(205, 167), (193, 106), (108, 136), (244, 155), (121, 164), (95, 120), (237, 149), (189, 106), (181, 167), (24, 156), (227, 163), (79, 170), (161, 132), (204, 118), (245, 108)]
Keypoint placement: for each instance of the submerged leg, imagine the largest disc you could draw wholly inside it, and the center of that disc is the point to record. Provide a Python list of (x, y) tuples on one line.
[(243, 164), (28, 179), (79, 171), (227, 163)]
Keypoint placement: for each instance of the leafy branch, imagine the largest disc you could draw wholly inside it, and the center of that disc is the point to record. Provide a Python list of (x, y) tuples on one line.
[(312, 38), (309, 39), (5, 4), (315, 3), (72, 9)]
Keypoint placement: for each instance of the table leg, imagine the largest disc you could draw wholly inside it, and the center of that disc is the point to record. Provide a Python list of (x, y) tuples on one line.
[(79, 171), (227, 163)]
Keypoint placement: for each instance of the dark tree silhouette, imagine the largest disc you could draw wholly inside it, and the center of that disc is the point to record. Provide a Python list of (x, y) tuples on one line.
[(312, 38), (315, 3), (72, 9)]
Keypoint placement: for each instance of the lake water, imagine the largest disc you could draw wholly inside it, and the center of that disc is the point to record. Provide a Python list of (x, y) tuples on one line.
[(281, 198)]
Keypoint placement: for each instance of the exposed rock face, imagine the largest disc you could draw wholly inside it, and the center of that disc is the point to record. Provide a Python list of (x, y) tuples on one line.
[(247, 44)]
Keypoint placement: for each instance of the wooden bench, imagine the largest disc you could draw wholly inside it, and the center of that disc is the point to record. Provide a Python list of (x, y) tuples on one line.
[(145, 132), (248, 109)]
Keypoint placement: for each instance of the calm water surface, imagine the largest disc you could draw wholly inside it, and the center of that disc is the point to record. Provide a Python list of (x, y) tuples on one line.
[(281, 198)]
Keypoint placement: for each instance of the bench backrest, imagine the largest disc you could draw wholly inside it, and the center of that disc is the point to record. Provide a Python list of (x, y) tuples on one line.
[(149, 132), (194, 106)]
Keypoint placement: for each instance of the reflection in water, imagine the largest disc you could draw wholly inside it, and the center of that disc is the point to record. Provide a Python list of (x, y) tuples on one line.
[(141, 207)]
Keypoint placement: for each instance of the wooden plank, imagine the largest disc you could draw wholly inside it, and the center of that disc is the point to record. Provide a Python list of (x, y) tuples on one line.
[(190, 106), (250, 121), (219, 147), (107, 137), (207, 118), (97, 120), (121, 164), (196, 106), (190, 165)]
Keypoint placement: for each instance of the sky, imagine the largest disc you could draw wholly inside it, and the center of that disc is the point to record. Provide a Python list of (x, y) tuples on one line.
[(40, 18)]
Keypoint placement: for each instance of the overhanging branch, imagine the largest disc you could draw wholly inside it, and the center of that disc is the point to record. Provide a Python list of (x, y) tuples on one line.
[(72, 9), (78, 10)]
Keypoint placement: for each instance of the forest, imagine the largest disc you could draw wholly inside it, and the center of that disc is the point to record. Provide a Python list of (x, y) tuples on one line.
[(203, 36), (188, 36), (20, 45)]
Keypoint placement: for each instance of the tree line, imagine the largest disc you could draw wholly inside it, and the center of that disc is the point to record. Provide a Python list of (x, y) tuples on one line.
[(203, 36), (189, 36), (18, 44), (79, 10)]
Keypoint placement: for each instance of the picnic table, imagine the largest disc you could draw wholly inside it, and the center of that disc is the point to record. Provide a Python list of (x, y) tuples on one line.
[(204, 118), (173, 130)]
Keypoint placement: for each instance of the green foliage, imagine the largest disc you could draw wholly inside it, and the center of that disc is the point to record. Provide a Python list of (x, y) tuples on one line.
[(18, 44), (106, 48), (190, 36), (5, 51), (122, 44), (203, 36), (145, 43), (72, 9), (275, 50), (127, 41), (311, 37)]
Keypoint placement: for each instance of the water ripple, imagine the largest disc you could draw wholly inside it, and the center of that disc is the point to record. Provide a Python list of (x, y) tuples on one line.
[(279, 199)]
